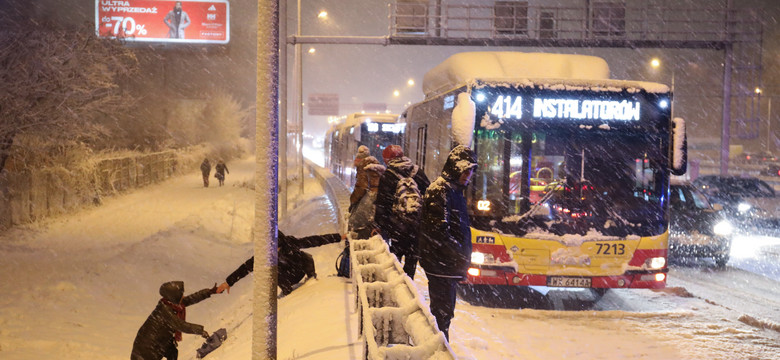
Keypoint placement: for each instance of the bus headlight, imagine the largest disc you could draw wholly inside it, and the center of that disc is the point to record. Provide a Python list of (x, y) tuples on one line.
[(744, 207), (723, 228), (481, 258), (655, 263)]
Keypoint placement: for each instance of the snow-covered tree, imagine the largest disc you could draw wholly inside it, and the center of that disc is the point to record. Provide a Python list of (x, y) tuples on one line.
[(59, 84)]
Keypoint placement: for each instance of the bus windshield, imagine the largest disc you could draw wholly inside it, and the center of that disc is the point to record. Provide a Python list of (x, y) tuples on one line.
[(569, 180)]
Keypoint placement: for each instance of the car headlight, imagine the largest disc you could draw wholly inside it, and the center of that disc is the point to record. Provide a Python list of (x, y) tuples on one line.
[(723, 228), (655, 263), (481, 258), (744, 207)]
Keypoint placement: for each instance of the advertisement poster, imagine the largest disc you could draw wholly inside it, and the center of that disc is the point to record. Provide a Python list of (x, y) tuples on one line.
[(192, 21)]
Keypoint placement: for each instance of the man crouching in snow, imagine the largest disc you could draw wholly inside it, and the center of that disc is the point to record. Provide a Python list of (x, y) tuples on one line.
[(158, 336), (294, 263)]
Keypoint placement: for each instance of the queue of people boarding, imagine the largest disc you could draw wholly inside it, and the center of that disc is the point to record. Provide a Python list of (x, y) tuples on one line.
[(421, 221)]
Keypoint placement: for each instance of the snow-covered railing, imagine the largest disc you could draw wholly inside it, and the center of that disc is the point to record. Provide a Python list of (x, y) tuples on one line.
[(394, 320)]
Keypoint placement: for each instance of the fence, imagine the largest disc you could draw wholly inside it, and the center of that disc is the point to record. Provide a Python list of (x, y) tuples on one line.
[(31, 195), (394, 320)]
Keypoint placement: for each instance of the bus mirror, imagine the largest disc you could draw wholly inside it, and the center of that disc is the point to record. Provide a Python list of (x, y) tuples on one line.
[(679, 155)]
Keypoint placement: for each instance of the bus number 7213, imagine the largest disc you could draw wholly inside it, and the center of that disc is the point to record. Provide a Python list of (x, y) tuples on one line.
[(611, 249)]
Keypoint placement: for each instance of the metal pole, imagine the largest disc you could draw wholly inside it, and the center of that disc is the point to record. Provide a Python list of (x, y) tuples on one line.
[(725, 131), (283, 150), (299, 84), (769, 125), (264, 318)]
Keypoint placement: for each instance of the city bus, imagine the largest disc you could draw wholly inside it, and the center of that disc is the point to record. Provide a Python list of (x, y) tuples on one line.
[(571, 188), (375, 131)]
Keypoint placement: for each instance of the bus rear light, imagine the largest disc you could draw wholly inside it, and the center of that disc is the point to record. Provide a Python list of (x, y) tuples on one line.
[(473, 271)]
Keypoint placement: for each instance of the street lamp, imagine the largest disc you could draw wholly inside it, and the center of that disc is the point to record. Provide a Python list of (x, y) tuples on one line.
[(655, 63)]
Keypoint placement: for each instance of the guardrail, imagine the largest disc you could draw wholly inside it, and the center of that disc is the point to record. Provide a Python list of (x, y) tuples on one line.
[(394, 320)]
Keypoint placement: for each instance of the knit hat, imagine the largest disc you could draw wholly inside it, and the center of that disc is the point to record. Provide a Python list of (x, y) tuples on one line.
[(392, 152), (362, 151)]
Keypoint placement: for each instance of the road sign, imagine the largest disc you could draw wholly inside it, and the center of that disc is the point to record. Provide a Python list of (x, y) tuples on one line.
[(161, 21), (323, 104), (374, 107)]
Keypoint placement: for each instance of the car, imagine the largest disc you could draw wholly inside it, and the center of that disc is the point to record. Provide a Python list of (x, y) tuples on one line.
[(749, 201), (696, 228)]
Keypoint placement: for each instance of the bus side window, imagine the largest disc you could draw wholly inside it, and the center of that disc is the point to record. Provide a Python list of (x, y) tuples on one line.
[(422, 134)]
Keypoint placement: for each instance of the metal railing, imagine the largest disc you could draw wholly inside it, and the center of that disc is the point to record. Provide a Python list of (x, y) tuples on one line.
[(645, 23)]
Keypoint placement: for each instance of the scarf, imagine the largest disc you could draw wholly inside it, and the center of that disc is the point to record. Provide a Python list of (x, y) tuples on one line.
[(180, 311)]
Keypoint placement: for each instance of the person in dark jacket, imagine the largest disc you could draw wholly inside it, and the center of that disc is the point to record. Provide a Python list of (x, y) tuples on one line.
[(220, 170), (400, 233), (205, 169), (445, 235), (294, 263), (159, 334)]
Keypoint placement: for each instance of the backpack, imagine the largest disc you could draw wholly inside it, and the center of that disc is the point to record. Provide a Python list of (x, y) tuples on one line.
[(342, 263), (407, 204)]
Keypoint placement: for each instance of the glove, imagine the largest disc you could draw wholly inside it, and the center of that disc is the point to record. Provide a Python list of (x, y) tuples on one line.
[(205, 334), (214, 289)]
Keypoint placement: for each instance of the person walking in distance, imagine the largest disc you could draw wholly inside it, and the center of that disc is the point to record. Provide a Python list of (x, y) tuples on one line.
[(220, 170), (205, 169), (445, 234), (399, 205)]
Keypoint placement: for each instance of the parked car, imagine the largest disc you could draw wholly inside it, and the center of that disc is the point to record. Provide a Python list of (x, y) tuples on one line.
[(749, 201), (696, 228)]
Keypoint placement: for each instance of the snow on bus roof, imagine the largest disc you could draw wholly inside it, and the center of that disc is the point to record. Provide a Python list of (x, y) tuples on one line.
[(461, 68)]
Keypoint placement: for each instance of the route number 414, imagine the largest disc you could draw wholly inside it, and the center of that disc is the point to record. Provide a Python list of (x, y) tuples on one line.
[(507, 106)]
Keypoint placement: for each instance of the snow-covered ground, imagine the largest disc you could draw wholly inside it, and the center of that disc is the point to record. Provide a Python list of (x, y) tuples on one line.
[(79, 287)]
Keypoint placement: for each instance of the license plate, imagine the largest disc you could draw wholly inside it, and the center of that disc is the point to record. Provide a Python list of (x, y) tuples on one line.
[(563, 281)]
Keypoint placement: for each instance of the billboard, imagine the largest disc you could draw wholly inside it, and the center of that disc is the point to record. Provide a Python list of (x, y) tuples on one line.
[(188, 21), (323, 104)]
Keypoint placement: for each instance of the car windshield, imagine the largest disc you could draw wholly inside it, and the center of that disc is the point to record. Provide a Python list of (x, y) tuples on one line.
[(688, 196)]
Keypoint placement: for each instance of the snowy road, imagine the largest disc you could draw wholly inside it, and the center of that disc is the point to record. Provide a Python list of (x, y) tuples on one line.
[(80, 286)]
